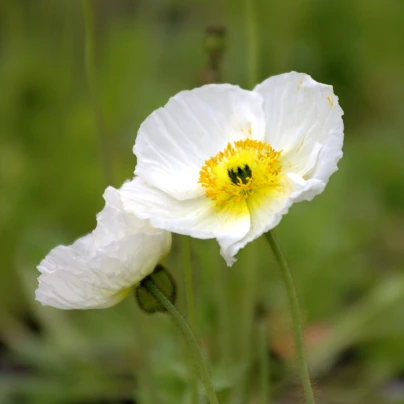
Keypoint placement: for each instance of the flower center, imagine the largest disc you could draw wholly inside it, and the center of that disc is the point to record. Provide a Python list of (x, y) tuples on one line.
[(244, 168), (242, 174)]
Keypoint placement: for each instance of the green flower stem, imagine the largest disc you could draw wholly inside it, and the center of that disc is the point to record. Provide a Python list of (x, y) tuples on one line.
[(247, 319), (191, 314), (189, 337), (146, 381), (252, 41), (189, 284), (264, 362), (226, 345), (92, 86), (296, 318)]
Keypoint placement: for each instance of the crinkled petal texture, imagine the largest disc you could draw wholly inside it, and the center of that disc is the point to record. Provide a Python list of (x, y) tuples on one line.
[(226, 163), (196, 217), (304, 120), (99, 269), (174, 141)]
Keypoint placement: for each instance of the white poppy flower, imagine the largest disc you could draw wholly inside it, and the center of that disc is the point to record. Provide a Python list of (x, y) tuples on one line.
[(226, 163), (100, 269)]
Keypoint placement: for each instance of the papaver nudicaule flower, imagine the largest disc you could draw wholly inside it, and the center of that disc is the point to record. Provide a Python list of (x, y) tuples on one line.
[(226, 163), (100, 269)]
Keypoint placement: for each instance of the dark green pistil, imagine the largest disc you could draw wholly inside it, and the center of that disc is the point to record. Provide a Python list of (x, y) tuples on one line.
[(242, 173)]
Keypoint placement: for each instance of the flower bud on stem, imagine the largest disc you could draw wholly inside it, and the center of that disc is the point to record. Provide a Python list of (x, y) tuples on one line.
[(152, 288), (164, 281), (214, 44)]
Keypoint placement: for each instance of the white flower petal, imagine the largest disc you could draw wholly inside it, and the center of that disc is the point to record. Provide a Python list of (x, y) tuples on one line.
[(304, 119), (299, 118), (99, 269), (174, 141), (66, 282), (195, 217)]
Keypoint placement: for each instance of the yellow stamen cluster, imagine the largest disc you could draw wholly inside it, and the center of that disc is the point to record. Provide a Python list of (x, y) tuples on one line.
[(243, 168)]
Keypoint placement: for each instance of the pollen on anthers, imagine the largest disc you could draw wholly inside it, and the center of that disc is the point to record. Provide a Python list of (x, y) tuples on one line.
[(243, 168)]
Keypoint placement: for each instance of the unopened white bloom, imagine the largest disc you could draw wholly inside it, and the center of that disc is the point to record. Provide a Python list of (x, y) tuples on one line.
[(226, 163), (100, 269)]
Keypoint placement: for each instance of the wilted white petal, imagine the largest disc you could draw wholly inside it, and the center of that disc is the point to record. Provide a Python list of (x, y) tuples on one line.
[(98, 270)]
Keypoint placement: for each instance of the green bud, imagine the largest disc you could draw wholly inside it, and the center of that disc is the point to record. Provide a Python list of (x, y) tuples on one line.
[(164, 281), (215, 38)]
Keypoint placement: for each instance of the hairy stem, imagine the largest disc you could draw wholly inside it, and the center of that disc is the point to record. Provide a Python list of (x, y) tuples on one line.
[(264, 363), (189, 337), (191, 314), (94, 96), (252, 41), (296, 318)]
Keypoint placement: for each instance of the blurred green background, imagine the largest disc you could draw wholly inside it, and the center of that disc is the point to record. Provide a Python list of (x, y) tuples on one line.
[(346, 248)]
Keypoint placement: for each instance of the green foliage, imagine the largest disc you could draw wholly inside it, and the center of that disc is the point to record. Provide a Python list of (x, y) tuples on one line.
[(345, 247)]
